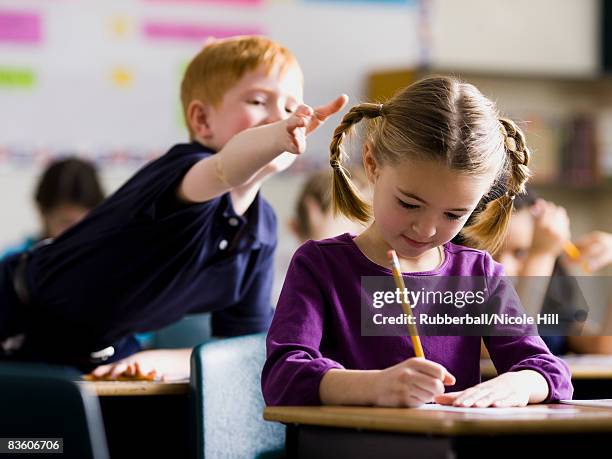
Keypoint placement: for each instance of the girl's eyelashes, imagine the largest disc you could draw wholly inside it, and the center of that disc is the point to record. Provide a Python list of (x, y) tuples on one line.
[(452, 216), (448, 215), (407, 205)]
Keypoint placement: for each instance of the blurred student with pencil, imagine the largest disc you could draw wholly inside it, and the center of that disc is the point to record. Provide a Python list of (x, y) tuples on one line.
[(536, 252), (67, 190), (432, 153)]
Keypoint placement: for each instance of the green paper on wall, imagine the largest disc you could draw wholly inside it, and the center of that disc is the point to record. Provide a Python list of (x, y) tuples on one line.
[(11, 77)]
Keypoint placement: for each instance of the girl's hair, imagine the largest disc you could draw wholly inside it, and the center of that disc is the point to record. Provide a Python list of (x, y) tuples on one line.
[(69, 181), (443, 119)]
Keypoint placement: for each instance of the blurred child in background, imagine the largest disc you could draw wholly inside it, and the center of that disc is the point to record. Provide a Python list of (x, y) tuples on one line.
[(314, 217), (66, 191), (533, 252)]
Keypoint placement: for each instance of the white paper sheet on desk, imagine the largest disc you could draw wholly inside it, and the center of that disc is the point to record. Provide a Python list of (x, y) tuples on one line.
[(589, 359), (601, 403), (519, 411)]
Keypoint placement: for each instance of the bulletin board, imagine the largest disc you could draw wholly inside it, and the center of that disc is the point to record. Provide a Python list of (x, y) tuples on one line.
[(101, 79)]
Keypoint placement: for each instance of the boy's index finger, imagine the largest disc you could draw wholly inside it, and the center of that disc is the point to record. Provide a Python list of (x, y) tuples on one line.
[(324, 111)]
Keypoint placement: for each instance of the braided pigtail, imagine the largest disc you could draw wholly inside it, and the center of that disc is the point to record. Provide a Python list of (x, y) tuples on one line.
[(346, 199), (489, 228)]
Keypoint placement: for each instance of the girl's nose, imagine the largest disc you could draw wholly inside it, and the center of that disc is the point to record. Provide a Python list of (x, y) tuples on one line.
[(424, 230)]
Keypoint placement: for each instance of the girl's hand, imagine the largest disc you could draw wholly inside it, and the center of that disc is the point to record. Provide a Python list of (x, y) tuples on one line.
[(411, 383), (551, 229), (596, 250), (506, 390)]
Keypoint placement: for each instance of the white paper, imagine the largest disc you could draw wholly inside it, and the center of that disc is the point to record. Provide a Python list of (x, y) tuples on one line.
[(520, 411), (601, 403)]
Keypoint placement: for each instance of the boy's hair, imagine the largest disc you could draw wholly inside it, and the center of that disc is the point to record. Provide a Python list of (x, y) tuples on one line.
[(318, 187), (69, 181), (222, 63), (443, 119)]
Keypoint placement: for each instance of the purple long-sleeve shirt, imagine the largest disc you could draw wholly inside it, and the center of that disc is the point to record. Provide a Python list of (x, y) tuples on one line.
[(317, 327)]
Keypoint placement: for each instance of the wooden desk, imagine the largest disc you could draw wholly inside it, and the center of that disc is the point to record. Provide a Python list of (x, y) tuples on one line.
[(136, 388), (591, 374), (360, 432), (145, 419)]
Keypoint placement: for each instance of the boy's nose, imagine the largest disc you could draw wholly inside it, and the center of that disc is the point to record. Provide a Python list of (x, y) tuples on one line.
[(277, 113)]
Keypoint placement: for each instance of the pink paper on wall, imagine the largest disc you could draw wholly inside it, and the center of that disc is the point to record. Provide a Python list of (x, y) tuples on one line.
[(20, 27), (194, 32), (218, 2)]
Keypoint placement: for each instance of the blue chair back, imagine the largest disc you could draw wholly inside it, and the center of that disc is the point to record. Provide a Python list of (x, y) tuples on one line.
[(226, 386), (190, 331), (41, 401)]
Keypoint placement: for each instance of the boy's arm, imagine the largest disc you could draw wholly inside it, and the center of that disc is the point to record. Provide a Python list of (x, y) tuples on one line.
[(253, 155), (243, 196), (239, 161)]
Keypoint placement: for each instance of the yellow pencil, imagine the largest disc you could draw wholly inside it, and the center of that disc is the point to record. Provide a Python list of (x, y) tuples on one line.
[(574, 253), (399, 283)]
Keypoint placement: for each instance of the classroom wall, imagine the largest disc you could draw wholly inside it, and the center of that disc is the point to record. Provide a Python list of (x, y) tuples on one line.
[(102, 78), (106, 88), (552, 37)]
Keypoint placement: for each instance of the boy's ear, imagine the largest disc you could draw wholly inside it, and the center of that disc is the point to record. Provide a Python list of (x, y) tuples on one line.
[(369, 163), (198, 117), (314, 211), (293, 226)]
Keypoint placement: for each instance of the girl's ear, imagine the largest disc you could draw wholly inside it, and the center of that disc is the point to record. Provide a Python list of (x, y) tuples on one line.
[(198, 117), (369, 163)]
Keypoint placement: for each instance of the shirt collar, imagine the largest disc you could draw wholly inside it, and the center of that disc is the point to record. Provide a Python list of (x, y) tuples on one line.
[(257, 219)]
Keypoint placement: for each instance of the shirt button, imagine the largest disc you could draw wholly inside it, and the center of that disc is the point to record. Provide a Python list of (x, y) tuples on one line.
[(102, 355), (223, 245), (233, 221)]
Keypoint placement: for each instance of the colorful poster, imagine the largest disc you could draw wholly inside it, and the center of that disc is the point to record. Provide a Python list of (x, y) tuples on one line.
[(213, 2)]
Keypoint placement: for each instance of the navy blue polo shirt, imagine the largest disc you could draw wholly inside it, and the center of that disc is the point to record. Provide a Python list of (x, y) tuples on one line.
[(143, 259)]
